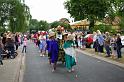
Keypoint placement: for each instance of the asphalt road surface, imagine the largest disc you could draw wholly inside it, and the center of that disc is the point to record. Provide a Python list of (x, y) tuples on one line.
[(88, 69)]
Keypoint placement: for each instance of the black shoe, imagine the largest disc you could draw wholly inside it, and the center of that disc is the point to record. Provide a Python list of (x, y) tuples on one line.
[(1, 62), (108, 56)]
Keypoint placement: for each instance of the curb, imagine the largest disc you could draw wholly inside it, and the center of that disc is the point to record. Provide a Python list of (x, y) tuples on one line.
[(22, 69), (101, 58), (18, 68)]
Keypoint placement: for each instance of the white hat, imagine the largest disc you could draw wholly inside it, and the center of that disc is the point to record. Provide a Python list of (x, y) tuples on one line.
[(51, 34), (70, 37)]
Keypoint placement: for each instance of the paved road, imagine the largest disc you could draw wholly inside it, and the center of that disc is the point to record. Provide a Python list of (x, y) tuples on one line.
[(88, 69)]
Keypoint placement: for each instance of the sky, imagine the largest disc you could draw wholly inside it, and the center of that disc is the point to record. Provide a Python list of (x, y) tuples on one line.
[(49, 10)]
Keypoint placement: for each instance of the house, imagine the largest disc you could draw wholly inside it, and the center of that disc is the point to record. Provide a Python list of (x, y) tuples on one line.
[(64, 20), (84, 24)]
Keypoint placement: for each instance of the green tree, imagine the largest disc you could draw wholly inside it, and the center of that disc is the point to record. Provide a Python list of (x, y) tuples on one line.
[(66, 26), (121, 24), (116, 8), (33, 24), (43, 25), (55, 24), (91, 9), (38, 25), (103, 28), (14, 12)]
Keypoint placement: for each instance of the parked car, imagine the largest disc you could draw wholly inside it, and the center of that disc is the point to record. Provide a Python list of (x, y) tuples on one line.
[(122, 41), (89, 40)]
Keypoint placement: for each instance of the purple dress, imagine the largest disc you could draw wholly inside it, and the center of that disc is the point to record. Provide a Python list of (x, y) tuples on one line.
[(53, 49)]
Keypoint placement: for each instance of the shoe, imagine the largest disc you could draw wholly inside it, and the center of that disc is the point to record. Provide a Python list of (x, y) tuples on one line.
[(69, 71), (41, 55), (50, 62), (1, 62), (107, 56), (72, 70), (53, 70), (11, 57)]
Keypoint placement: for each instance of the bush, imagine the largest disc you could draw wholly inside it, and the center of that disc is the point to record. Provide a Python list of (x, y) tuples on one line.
[(103, 28)]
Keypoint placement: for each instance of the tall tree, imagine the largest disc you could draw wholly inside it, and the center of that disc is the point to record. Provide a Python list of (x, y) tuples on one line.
[(43, 25), (14, 12), (33, 24), (116, 8), (91, 9), (54, 24)]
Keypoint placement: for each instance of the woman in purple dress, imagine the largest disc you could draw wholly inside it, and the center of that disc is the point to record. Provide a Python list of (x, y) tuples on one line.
[(53, 50)]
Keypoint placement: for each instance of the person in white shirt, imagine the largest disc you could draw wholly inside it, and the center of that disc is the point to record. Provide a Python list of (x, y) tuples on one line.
[(94, 41)]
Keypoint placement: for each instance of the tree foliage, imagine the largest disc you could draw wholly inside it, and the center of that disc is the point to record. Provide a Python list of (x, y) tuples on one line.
[(33, 24), (94, 9), (91, 9), (55, 24), (121, 24), (15, 13), (116, 8), (40, 25), (103, 28), (43, 25)]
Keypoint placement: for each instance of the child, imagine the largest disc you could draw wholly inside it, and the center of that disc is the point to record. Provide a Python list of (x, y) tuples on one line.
[(24, 44)]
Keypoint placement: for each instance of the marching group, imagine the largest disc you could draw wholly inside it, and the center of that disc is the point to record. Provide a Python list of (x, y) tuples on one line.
[(50, 43)]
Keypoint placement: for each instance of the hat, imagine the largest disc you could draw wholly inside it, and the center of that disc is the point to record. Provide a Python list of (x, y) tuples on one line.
[(51, 34), (8, 36), (65, 33), (25, 35), (70, 37)]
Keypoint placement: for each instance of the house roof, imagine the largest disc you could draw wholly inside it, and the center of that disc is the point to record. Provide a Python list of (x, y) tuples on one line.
[(115, 22)]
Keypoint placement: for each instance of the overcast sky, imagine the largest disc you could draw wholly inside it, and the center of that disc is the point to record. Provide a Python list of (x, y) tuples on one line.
[(49, 10)]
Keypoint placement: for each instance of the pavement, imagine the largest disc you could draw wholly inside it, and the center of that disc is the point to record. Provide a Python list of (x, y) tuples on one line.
[(9, 71)]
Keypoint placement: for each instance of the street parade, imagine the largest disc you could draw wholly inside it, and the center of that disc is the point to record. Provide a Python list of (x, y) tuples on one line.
[(61, 40), (58, 45)]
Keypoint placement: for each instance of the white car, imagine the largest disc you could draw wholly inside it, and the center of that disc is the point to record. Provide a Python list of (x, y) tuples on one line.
[(122, 40)]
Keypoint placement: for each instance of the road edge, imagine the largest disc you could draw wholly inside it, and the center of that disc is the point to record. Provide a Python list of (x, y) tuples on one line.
[(20, 68), (102, 58)]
